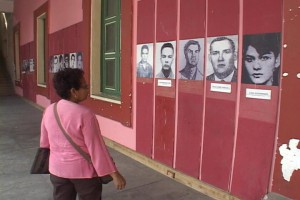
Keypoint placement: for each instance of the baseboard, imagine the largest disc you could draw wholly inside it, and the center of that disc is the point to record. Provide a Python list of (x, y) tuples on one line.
[(191, 182)]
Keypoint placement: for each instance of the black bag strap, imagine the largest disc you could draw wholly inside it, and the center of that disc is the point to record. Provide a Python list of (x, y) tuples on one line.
[(84, 154)]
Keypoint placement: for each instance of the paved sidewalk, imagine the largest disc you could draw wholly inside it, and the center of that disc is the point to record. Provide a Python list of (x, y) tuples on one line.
[(19, 139)]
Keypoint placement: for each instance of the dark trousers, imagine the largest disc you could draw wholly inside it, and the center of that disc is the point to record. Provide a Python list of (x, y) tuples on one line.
[(67, 189)]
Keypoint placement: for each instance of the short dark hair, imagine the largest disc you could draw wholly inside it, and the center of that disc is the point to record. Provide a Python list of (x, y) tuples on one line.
[(66, 79), (189, 43), (263, 43), (221, 39), (167, 45), (144, 47)]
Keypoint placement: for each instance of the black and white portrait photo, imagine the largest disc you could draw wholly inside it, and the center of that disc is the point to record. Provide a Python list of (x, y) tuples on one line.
[(72, 62), (144, 67), (261, 59), (191, 59), (31, 65), (165, 60), (222, 58), (66, 60), (79, 60)]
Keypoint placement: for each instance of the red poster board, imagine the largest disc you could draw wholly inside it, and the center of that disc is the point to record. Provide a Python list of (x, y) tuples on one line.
[(219, 125), (190, 92)]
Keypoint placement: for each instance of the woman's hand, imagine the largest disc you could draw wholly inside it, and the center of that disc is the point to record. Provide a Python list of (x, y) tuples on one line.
[(118, 180)]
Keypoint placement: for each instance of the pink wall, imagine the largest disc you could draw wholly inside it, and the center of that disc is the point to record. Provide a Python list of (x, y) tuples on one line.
[(23, 13), (64, 13)]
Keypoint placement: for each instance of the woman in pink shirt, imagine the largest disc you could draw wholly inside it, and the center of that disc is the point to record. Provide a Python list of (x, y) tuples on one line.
[(70, 172)]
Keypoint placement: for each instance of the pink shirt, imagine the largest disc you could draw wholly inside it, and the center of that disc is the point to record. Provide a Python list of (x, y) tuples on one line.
[(82, 126)]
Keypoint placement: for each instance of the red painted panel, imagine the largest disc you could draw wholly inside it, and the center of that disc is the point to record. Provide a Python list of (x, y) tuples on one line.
[(190, 94), (253, 158), (145, 21), (166, 24), (289, 125), (164, 129), (262, 16), (144, 116), (166, 20), (192, 19), (189, 128), (219, 125), (254, 144), (218, 141), (223, 17)]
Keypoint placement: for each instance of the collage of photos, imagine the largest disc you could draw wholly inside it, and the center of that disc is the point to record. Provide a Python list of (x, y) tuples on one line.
[(28, 65), (70, 60), (260, 59)]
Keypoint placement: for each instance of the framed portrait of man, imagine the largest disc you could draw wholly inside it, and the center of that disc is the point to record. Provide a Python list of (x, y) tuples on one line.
[(165, 61), (222, 56), (191, 59)]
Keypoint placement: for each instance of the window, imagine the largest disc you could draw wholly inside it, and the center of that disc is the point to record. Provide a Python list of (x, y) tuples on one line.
[(110, 76), (17, 55), (41, 67), (110, 49)]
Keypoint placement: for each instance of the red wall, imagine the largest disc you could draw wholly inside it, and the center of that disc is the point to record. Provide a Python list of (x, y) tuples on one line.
[(289, 125), (224, 139)]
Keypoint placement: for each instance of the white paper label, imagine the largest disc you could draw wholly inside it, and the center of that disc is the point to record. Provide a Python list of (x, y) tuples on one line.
[(217, 87), (258, 94), (164, 83)]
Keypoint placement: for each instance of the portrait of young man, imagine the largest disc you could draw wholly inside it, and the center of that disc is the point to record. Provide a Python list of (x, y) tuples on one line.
[(222, 59), (261, 59), (191, 59), (165, 60), (145, 61)]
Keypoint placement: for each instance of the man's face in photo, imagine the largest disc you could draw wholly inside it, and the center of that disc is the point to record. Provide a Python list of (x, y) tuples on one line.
[(66, 61), (144, 55), (72, 60), (222, 57), (55, 60), (166, 58), (192, 54)]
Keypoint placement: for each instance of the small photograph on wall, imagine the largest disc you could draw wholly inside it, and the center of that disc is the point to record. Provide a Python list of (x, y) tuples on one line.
[(144, 57), (222, 58), (56, 65), (61, 61), (31, 65), (73, 60), (51, 64), (191, 59), (25, 66), (165, 60), (79, 60), (261, 59), (66, 60)]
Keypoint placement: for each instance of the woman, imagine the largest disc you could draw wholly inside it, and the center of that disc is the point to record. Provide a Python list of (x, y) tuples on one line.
[(261, 56), (70, 173)]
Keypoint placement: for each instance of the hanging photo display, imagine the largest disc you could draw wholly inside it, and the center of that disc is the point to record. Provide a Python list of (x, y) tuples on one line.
[(28, 65), (69, 60)]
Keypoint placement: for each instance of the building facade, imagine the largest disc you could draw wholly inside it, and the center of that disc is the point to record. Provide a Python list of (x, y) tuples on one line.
[(204, 90)]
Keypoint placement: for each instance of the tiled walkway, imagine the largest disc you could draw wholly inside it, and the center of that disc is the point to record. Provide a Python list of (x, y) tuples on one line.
[(19, 139)]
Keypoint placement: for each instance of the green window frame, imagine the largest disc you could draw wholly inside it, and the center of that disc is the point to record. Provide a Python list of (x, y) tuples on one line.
[(110, 49)]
